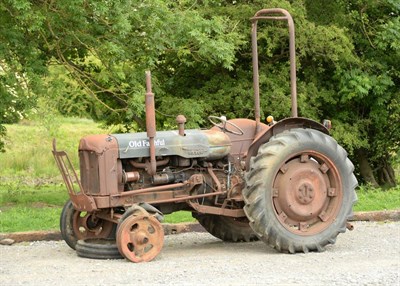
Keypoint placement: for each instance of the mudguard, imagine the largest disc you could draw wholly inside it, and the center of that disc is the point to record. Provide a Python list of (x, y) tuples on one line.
[(280, 126)]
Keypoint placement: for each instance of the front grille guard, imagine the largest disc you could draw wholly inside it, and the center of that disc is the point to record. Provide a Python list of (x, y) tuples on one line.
[(80, 200)]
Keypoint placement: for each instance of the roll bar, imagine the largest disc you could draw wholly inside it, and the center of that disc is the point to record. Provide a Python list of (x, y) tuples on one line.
[(271, 14)]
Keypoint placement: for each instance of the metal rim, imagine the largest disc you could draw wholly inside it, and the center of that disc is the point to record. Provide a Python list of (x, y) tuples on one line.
[(307, 193), (87, 225), (140, 238)]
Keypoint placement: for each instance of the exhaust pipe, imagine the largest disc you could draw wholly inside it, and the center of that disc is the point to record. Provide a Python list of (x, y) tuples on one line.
[(150, 123)]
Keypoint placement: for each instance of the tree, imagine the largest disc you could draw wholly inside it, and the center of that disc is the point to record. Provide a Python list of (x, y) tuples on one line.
[(92, 56), (368, 86)]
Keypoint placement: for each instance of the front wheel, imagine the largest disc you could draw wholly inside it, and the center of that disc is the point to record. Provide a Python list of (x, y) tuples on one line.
[(300, 191), (76, 225)]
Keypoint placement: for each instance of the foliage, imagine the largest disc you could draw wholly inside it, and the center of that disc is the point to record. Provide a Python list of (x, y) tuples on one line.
[(90, 58), (367, 88)]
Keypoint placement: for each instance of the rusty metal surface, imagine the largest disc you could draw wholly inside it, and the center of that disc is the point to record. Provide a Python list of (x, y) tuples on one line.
[(75, 190), (267, 14), (307, 193), (146, 164), (150, 123), (217, 210), (87, 225), (181, 120), (285, 124), (140, 238), (241, 143), (99, 165)]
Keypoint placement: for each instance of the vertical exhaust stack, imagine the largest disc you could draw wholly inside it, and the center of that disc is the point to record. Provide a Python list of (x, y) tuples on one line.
[(150, 123)]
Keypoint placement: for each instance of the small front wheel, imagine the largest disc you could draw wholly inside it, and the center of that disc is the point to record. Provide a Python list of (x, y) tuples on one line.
[(140, 236)]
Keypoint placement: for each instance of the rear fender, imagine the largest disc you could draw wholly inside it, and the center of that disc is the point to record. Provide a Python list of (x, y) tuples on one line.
[(285, 124)]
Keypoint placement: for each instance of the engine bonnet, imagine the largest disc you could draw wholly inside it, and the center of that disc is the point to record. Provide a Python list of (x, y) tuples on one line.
[(207, 144)]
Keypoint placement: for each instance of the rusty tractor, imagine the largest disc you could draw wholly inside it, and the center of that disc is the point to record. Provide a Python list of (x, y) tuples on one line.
[(287, 183)]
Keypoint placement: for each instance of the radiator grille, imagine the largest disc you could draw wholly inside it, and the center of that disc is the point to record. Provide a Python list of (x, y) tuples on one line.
[(89, 166)]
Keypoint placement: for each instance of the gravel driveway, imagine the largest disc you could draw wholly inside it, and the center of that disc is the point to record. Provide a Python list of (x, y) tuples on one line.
[(369, 255)]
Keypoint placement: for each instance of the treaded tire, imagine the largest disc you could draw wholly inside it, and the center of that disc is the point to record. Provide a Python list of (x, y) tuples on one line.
[(67, 231), (263, 191), (67, 226), (227, 228), (98, 248)]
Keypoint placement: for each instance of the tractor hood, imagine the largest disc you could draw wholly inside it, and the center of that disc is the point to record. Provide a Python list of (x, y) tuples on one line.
[(207, 144)]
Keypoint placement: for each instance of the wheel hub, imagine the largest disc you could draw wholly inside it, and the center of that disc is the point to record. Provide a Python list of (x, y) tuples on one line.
[(86, 225), (305, 194)]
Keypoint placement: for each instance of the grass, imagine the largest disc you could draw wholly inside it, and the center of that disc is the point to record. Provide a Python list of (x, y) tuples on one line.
[(25, 208), (372, 199), (28, 148), (31, 190)]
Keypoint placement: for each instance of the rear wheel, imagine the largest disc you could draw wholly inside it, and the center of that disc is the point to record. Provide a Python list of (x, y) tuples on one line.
[(76, 225), (227, 228), (300, 191)]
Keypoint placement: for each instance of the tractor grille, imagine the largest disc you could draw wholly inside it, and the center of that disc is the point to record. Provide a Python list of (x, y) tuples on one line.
[(89, 166)]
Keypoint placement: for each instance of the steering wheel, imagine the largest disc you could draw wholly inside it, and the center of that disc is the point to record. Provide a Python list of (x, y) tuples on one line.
[(223, 125)]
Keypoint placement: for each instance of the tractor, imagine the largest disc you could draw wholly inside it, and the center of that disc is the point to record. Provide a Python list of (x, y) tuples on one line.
[(287, 183)]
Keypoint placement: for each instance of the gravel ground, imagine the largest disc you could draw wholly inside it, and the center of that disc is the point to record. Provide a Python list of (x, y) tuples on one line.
[(369, 255)]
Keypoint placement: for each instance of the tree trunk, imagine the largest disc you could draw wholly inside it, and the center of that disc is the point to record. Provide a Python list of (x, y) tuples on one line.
[(386, 174), (365, 168)]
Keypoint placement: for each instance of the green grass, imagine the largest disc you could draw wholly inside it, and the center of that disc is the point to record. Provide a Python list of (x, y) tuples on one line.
[(28, 218), (371, 199), (28, 208), (178, 217), (28, 156), (32, 193)]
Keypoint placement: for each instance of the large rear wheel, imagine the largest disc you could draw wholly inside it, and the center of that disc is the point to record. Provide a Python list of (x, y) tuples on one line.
[(300, 191)]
